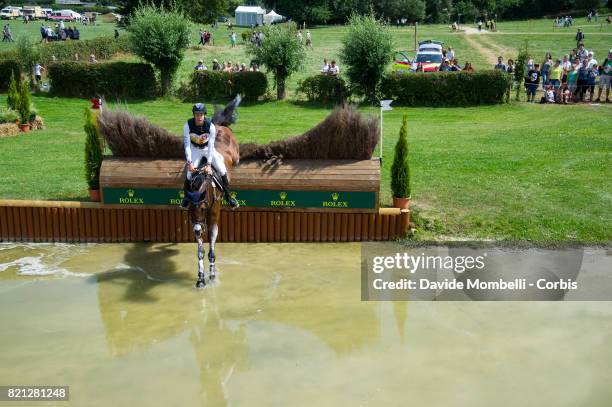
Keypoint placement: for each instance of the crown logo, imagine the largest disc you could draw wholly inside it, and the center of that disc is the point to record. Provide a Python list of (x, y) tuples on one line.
[(181, 194), (130, 193), (283, 195), (234, 194), (335, 196)]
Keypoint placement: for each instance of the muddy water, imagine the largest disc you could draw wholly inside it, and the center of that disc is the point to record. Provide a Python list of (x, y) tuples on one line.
[(122, 325)]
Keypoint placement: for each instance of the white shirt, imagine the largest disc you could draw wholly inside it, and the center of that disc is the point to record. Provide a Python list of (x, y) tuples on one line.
[(325, 68), (211, 142), (308, 35), (334, 70), (567, 66), (592, 62), (450, 55), (37, 69)]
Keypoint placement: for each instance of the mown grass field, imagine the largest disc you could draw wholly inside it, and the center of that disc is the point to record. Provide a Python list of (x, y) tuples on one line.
[(517, 171)]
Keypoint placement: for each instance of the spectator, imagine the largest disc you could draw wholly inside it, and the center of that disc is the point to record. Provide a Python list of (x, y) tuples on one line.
[(468, 67), (546, 65), (254, 67), (572, 79), (200, 66), (605, 72), (582, 83), (325, 68), (579, 37), (532, 82), (556, 72), (77, 57), (450, 54), (455, 67), (529, 63), (43, 33), (38, 70), (76, 34), (308, 39), (582, 53), (334, 69), (480, 25), (216, 66), (201, 35), (299, 36), (500, 64), (549, 95), (591, 79), (233, 39), (591, 61), (510, 67), (445, 66), (92, 59)]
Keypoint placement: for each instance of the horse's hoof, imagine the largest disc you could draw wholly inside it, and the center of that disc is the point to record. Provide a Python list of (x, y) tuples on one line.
[(212, 276), (200, 284)]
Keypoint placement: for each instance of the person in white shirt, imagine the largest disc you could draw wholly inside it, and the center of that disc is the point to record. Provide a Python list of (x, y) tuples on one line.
[(308, 39), (450, 54), (200, 66), (592, 61), (37, 70), (334, 69), (325, 68)]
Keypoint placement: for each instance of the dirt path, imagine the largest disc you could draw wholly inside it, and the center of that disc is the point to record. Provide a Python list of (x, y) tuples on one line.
[(482, 42)]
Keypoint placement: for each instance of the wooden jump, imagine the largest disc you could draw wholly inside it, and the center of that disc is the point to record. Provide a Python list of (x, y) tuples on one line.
[(82, 222)]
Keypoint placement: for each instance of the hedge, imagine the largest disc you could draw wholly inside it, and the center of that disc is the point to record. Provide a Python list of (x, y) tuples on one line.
[(447, 88), (112, 79), (214, 85), (324, 89), (6, 67), (102, 48)]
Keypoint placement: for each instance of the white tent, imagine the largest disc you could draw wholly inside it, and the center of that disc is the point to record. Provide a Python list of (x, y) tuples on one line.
[(273, 17), (249, 15)]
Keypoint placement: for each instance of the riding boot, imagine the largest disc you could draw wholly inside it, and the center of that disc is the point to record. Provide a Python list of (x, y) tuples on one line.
[(226, 191), (185, 202)]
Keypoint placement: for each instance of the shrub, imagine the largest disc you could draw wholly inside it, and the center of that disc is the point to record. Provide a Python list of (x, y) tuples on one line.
[(23, 106), (8, 115), (102, 48), (324, 89), (93, 152), (7, 68), (447, 88), (400, 170), (520, 68), (28, 54), (280, 52), (12, 99), (367, 47), (160, 37), (246, 35), (112, 79), (209, 85)]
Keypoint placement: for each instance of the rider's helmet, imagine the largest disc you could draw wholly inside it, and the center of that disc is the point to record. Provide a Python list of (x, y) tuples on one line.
[(199, 108)]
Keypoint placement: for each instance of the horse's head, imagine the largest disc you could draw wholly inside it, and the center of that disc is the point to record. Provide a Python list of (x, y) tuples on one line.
[(204, 196)]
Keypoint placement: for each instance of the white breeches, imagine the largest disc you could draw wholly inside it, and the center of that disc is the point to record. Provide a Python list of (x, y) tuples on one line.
[(217, 160)]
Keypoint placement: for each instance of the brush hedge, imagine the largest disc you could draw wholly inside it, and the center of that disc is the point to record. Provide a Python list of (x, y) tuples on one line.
[(6, 67), (447, 88), (325, 89), (113, 79), (209, 85)]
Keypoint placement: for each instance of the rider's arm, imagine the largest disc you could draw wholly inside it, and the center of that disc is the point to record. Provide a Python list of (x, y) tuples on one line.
[(187, 143), (211, 143)]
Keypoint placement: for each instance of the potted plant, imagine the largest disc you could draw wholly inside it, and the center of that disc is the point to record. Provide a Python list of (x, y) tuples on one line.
[(93, 156), (400, 170), (23, 107)]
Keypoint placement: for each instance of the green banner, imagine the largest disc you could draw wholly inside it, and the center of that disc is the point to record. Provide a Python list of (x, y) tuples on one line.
[(257, 198)]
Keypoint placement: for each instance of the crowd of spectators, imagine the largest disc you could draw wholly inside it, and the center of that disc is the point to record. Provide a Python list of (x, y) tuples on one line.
[(227, 66), (59, 33)]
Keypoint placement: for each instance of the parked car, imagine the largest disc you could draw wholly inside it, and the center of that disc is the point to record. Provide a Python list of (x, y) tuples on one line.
[(402, 63), (66, 15), (429, 57)]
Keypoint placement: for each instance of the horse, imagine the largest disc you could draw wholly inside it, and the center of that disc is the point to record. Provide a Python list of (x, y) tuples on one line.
[(205, 192)]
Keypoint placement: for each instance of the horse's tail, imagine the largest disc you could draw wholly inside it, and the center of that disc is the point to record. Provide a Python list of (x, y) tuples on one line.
[(227, 115)]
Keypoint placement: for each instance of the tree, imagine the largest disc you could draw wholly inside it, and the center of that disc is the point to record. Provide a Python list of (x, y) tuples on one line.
[(160, 37), (310, 11), (28, 55), (280, 52), (519, 68), (367, 48), (413, 10), (207, 11), (93, 153), (400, 170), (23, 106), (12, 98)]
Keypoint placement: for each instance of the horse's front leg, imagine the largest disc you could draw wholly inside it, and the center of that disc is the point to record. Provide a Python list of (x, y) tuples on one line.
[(212, 238), (197, 231)]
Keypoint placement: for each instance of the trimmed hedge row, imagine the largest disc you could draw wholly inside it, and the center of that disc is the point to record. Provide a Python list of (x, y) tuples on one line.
[(211, 85), (447, 88), (112, 79), (102, 48), (6, 67), (324, 88)]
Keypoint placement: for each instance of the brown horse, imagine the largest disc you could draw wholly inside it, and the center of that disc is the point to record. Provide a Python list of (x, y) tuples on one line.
[(205, 202)]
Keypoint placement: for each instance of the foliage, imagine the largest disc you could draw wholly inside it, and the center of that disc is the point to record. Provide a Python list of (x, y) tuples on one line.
[(24, 103), (93, 152), (209, 85), (8, 68), (520, 68), (8, 115), (400, 170), (206, 11), (102, 48), (28, 55), (447, 88), (413, 10), (280, 52), (12, 99), (367, 48), (324, 89), (160, 37), (111, 79)]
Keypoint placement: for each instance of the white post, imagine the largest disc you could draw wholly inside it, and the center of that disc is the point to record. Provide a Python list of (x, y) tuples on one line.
[(384, 105)]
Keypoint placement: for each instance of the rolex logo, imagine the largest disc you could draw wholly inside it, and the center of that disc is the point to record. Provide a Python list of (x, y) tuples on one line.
[(335, 196), (283, 195), (130, 193), (181, 194)]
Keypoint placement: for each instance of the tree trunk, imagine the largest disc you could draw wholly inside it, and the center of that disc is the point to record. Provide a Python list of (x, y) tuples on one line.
[(166, 81), (280, 89)]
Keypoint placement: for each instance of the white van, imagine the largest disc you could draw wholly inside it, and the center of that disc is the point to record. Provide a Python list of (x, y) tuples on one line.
[(9, 13), (65, 15)]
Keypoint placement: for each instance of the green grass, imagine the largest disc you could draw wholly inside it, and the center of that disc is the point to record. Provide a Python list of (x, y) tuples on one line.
[(503, 172)]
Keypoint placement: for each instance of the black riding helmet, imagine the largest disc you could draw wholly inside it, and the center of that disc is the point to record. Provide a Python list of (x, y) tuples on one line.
[(199, 108)]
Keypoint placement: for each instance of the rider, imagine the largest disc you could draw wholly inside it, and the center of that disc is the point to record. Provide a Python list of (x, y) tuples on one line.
[(199, 140)]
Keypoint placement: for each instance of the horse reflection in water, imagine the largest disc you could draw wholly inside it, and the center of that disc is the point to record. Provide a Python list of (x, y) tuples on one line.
[(206, 191)]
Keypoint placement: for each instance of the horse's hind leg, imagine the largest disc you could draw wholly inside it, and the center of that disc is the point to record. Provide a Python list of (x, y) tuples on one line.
[(197, 230), (212, 238)]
